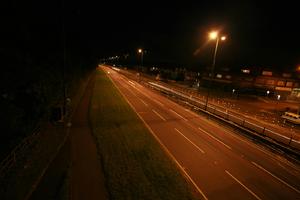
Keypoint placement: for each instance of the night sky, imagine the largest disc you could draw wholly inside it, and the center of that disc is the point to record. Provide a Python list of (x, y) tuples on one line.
[(259, 34)]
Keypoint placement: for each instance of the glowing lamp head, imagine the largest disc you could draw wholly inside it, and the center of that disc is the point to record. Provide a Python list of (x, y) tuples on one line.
[(223, 38), (140, 50), (213, 35)]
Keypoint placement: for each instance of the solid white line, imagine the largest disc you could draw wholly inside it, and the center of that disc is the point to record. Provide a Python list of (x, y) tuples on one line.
[(243, 185), (143, 102), (159, 115), (178, 115), (282, 181), (189, 141), (214, 138)]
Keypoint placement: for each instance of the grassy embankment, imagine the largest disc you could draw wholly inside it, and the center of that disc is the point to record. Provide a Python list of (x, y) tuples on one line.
[(135, 166)]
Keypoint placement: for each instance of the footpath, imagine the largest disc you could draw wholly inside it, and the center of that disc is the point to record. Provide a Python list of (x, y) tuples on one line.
[(84, 177)]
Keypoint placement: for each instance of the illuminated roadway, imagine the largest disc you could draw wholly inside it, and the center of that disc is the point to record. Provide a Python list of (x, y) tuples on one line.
[(219, 163)]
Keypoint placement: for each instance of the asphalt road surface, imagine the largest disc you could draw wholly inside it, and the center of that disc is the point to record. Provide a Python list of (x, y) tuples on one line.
[(219, 163)]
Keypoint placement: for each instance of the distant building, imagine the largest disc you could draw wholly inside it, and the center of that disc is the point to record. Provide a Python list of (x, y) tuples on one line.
[(287, 84)]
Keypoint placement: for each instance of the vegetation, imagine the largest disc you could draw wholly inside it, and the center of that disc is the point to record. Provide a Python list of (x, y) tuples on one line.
[(135, 166)]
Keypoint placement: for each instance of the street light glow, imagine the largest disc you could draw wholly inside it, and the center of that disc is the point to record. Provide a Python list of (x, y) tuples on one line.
[(140, 50), (213, 35), (223, 38), (278, 97)]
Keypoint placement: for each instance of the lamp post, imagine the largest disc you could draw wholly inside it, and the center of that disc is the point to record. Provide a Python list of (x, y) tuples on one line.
[(214, 35), (268, 92), (140, 51)]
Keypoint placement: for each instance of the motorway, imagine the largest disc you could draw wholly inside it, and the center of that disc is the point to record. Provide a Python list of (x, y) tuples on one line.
[(219, 163)]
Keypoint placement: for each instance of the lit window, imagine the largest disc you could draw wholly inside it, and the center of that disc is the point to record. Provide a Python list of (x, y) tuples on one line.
[(246, 71), (267, 73)]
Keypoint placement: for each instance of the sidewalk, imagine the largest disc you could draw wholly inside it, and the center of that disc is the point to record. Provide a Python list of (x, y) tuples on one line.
[(87, 179)]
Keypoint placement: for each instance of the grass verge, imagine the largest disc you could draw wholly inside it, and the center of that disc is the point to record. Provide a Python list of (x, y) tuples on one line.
[(135, 166)]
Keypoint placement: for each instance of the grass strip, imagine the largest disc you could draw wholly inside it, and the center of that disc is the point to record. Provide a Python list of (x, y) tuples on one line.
[(135, 166)]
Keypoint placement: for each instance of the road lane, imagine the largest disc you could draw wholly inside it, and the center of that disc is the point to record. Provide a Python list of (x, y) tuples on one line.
[(215, 153)]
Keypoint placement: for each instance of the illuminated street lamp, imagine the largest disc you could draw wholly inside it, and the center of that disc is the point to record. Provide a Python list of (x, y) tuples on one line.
[(140, 51), (278, 97), (268, 92), (214, 35)]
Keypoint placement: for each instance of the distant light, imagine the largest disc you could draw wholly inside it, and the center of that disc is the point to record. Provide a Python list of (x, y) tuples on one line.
[(219, 75), (268, 92), (278, 97), (140, 50), (233, 90), (246, 71), (213, 35), (223, 38), (298, 68)]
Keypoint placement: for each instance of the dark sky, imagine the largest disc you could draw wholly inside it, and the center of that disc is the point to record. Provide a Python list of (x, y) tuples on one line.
[(259, 34)]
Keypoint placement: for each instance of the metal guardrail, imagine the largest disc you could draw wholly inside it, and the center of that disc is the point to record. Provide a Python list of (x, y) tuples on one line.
[(245, 123), (18, 152)]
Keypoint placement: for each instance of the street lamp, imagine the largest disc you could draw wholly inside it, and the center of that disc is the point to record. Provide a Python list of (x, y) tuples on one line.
[(214, 35), (140, 51), (278, 97)]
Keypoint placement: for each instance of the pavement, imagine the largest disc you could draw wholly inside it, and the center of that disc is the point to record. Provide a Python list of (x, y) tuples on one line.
[(220, 163), (87, 179)]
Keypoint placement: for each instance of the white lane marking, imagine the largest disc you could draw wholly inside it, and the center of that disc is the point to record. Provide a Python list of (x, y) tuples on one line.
[(159, 115), (151, 98), (242, 185), (190, 141), (282, 181), (162, 145), (131, 82), (274, 158), (178, 115), (247, 142), (214, 138), (143, 102), (155, 101)]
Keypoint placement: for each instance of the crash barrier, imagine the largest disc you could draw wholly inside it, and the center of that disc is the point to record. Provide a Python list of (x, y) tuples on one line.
[(238, 120)]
